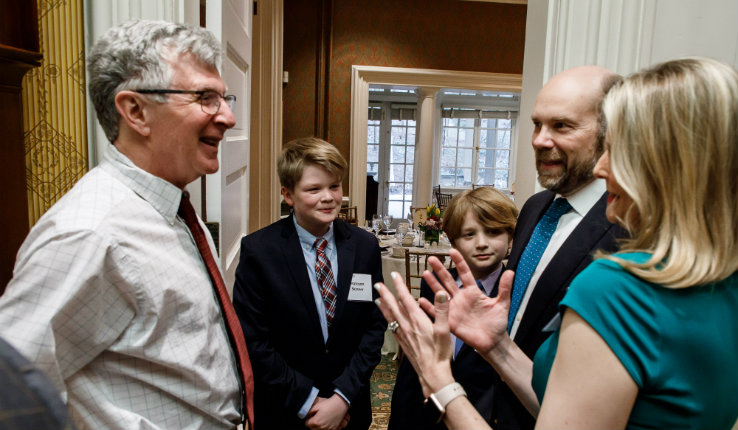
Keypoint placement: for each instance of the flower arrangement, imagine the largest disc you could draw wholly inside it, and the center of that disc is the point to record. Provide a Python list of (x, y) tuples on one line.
[(433, 220)]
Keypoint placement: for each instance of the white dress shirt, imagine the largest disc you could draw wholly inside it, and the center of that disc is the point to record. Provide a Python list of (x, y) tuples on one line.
[(581, 202), (111, 299)]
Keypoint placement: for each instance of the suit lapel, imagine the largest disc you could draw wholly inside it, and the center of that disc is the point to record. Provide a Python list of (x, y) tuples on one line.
[(295, 264), (346, 249), (526, 226), (559, 272)]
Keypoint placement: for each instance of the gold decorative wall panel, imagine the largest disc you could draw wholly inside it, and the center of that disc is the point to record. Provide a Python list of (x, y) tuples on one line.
[(54, 117)]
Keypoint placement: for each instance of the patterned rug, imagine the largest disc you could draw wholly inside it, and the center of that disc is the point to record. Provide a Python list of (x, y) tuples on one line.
[(382, 383)]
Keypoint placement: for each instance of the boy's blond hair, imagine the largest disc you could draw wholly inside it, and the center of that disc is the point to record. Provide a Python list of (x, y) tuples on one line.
[(299, 153), (494, 210)]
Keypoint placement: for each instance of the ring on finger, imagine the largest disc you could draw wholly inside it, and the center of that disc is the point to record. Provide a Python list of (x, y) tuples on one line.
[(393, 326)]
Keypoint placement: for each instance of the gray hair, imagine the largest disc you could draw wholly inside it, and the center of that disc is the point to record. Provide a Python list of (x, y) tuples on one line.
[(136, 55)]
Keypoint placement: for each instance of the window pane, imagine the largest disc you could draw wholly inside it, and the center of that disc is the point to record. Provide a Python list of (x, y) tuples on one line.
[(463, 177), (397, 172), (486, 158), (449, 136), (466, 137), (488, 123), (398, 154), (450, 122), (465, 157), (398, 135), (372, 153), (447, 177), (503, 138), (448, 157), (394, 208), (409, 173), (372, 132), (484, 177), (410, 155), (503, 159), (501, 178), (395, 190), (504, 123), (408, 195), (466, 122), (486, 138)]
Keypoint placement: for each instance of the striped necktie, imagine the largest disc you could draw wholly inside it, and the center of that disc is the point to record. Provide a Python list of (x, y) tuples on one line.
[(326, 283)]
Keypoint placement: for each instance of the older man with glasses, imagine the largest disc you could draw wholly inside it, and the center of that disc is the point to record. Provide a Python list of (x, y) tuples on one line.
[(116, 294)]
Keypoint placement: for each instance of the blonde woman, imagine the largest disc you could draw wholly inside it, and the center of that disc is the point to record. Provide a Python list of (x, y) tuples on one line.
[(649, 335)]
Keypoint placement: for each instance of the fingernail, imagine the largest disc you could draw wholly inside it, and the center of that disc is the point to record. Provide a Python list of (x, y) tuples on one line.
[(377, 302), (394, 275), (377, 287), (441, 298)]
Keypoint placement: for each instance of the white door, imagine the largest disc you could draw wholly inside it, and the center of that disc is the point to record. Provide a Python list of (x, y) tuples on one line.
[(227, 191)]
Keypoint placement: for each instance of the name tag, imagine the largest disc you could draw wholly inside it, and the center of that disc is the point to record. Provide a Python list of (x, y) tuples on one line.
[(361, 288)]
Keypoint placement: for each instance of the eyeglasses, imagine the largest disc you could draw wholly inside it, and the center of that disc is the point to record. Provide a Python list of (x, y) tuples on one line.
[(209, 99)]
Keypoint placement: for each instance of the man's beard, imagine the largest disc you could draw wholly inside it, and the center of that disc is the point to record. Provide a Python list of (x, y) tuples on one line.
[(570, 178)]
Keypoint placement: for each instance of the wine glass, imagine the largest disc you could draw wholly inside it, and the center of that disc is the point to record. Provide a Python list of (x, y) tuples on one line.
[(375, 224), (387, 219), (401, 231), (410, 220)]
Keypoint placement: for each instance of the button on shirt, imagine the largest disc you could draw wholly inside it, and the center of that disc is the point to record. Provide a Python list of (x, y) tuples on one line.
[(111, 299), (581, 202)]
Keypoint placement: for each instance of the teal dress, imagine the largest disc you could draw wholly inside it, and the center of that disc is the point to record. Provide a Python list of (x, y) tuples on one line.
[(680, 346)]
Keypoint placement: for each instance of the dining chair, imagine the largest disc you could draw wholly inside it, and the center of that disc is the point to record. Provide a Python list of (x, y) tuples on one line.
[(348, 214), (442, 199), (416, 261)]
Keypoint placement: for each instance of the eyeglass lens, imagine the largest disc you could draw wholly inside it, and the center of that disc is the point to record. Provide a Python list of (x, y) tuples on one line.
[(210, 102)]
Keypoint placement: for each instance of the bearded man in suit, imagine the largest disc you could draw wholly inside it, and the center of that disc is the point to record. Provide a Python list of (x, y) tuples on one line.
[(568, 139)]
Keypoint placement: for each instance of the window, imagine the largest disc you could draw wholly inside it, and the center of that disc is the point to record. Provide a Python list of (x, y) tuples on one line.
[(476, 137), (391, 153)]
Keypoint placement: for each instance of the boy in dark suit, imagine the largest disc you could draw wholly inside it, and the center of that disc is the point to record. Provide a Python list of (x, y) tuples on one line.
[(304, 295), (480, 224)]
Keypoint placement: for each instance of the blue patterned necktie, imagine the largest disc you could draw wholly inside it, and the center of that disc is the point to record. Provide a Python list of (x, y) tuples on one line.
[(533, 252), (326, 283)]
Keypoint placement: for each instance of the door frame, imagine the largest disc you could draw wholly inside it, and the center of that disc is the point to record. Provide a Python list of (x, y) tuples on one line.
[(363, 76)]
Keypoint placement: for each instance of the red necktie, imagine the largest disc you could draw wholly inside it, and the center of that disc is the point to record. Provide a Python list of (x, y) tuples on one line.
[(324, 275), (187, 212)]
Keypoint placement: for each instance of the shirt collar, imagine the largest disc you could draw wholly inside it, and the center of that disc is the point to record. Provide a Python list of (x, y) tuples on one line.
[(583, 200), (488, 282), (162, 195), (307, 240)]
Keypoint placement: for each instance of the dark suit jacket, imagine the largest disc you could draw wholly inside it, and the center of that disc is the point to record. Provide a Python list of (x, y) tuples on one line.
[(274, 301), (593, 232), (469, 369)]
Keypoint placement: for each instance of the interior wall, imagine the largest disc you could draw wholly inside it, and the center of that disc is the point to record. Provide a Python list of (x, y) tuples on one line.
[(427, 34), (19, 52), (301, 43)]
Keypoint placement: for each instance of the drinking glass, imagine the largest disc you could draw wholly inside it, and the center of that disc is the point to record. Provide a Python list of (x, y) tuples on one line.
[(375, 224), (401, 232), (387, 219)]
